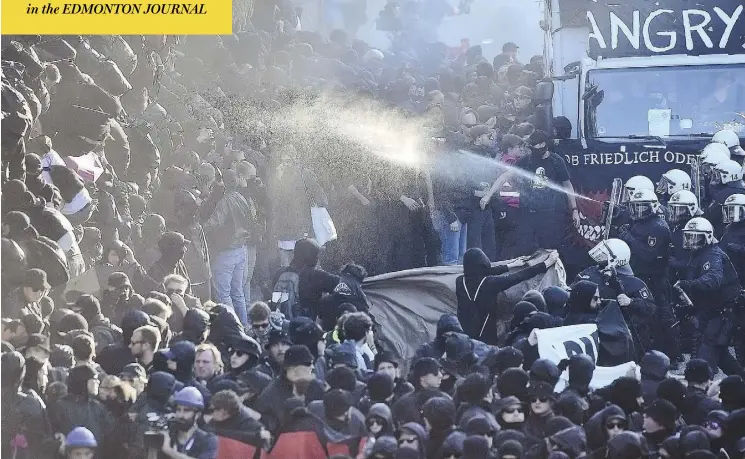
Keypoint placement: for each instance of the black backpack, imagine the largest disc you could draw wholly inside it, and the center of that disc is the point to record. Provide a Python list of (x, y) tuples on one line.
[(286, 294)]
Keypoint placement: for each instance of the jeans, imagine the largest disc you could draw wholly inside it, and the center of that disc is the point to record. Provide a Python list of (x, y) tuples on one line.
[(228, 275), (481, 232), (249, 272), (453, 242)]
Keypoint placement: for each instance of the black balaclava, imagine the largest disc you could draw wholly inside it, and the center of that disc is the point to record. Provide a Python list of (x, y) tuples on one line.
[(476, 265), (77, 380), (306, 253), (581, 296), (183, 353)]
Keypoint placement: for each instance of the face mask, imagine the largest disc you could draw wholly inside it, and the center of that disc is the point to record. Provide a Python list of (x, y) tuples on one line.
[(538, 152)]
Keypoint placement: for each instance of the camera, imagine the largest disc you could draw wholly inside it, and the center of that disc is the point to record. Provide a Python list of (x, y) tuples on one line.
[(157, 424)]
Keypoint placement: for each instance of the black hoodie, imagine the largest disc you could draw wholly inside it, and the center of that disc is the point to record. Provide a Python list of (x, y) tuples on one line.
[(597, 434), (477, 290), (224, 328), (578, 305), (313, 281), (113, 358), (654, 367), (195, 324)]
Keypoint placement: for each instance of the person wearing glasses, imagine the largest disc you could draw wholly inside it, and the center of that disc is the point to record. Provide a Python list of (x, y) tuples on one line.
[(143, 344), (541, 398), (25, 300), (602, 427), (511, 414), (412, 435), (244, 355), (583, 303), (714, 427)]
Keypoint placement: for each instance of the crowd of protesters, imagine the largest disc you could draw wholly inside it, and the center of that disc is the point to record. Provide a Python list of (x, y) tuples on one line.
[(152, 193)]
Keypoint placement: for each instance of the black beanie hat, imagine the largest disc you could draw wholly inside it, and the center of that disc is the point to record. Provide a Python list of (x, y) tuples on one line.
[(72, 321), (697, 371), (380, 386), (732, 392), (510, 448), (479, 425), (385, 356), (508, 357), (557, 424), (581, 368), (298, 355), (663, 412), (541, 390), (78, 377), (440, 412), (521, 310), (475, 447), (544, 370), (423, 367), (513, 381), (672, 390), (336, 402), (474, 388)]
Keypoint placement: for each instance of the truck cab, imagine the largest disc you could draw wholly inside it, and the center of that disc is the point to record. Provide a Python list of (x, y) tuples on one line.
[(645, 85)]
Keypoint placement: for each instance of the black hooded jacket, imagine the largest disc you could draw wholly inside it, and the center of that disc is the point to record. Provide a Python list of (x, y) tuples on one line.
[(313, 281), (654, 367), (224, 328), (597, 435), (195, 324), (114, 357), (477, 290), (578, 306)]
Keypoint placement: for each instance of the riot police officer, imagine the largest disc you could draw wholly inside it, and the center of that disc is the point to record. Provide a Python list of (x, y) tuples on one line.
[(731, 140), (616, 280), (648, 236), (728, 174), (733, 243), (710, 281), (682, 207), (711, 155), (671, 182)]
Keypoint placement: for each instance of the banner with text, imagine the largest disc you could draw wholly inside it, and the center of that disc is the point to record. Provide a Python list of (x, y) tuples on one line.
[(557, 344)]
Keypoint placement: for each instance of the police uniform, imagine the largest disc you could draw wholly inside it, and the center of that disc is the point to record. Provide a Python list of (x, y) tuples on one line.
[(733, 243), (642, 307), (710, 281), (714, 210), (649, 241)]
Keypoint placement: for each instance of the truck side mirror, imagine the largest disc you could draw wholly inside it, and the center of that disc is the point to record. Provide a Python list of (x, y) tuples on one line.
[(544, 93)]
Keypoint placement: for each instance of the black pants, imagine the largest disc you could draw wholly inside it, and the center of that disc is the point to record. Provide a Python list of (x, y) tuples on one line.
[(664, 336), (716, 334)]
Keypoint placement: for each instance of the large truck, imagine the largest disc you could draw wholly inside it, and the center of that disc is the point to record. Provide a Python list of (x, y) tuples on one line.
[(644, 85)]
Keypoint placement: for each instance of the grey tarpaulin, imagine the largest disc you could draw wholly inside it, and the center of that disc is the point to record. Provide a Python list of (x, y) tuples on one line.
[(407, 304)]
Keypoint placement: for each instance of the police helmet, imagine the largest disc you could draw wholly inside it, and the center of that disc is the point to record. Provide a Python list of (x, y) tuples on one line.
[(673, 181), (683, 205), (727, 172), (733, 209), (611, 251), (642, 204), (637, 182), (697, 234)]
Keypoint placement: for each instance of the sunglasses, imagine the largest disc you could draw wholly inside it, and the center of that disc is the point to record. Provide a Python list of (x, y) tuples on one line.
[(513, 410), (712, 425), (539, 400), (260, 326), (238, 353), (377, 421), (615, 424)]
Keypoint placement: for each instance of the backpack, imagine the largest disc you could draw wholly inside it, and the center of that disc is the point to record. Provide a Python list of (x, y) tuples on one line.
[(286, 294)]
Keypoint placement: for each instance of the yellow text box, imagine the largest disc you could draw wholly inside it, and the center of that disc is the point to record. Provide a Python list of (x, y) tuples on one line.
[(59, 17)]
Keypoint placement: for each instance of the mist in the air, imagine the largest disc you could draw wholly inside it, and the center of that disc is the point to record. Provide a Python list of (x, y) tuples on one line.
[(497, 21)]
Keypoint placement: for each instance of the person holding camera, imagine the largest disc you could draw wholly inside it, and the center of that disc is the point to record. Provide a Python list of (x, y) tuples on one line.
[(184, 439)]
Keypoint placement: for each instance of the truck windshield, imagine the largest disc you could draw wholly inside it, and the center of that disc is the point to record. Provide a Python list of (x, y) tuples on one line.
[(664, 101)]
